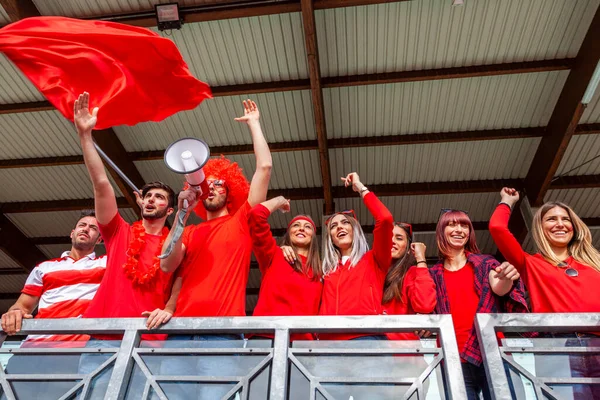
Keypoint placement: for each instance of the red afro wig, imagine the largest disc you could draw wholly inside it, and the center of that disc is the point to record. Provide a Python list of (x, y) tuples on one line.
[(235, 181)]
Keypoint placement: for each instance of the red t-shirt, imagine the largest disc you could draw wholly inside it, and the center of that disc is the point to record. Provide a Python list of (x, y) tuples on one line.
[(216, 267), (117, 296), (460, 287)]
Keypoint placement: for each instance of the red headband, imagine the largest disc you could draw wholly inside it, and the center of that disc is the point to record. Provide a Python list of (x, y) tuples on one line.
[(304, 217)]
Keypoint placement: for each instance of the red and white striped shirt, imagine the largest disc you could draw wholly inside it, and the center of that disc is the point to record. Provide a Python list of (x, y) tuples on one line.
[(65, 288)]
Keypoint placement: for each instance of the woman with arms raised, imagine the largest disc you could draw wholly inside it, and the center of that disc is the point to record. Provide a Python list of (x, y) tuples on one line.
[(353, 274)]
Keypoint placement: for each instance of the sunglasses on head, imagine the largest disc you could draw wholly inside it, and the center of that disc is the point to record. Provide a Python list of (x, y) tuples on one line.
[(570, 271), (407, 227), (345, 212)]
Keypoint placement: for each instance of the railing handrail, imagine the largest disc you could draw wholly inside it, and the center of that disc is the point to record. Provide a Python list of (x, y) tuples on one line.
[(488, 325), (281, 327)]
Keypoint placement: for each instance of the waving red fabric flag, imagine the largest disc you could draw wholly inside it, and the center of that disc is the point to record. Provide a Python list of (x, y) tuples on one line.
[(131, 73)]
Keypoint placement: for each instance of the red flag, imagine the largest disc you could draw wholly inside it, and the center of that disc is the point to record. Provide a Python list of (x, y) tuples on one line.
[(131, 73)]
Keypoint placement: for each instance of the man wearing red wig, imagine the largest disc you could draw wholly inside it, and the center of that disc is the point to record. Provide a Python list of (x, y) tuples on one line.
[(214, 257)]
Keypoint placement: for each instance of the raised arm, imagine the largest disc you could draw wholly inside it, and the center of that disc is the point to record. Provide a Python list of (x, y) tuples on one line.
[(507, 244), (263, 243), (104, 195), (384, 221), (260, 180)]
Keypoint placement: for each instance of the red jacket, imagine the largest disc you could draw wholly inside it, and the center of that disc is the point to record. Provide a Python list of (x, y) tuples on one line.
[(283, 290), (358, 290), (418, 295)]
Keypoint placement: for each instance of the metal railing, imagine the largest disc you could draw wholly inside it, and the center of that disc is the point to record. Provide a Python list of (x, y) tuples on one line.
[(136, 360), (550, 368)]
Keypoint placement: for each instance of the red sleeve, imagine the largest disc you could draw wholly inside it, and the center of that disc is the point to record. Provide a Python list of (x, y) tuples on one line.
[(263, 243), (507, 244), (420, 290), (109, 230), (382, 233)]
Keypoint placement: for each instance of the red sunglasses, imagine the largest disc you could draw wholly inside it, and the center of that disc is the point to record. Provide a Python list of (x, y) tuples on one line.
[(345, 212)]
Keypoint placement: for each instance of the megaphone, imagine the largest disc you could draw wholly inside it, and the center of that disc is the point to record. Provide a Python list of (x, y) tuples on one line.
[(188, 156)]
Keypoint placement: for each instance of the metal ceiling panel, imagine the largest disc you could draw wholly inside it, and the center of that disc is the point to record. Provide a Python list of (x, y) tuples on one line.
[(37, 134), (427, 34), (16, 88), (6, 261), (285, 116), (439, 162), (47, 183), (579, 157), (585, 202), (491, 102)]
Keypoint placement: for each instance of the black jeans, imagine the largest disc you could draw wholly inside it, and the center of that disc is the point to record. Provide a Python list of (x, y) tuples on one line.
[(475, 381)]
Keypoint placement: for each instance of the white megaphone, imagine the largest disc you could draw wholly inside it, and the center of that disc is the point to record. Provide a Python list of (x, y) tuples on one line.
[(188, 156)]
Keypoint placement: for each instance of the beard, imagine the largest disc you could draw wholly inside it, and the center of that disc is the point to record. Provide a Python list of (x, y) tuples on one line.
[(156, 214), (82, 244), (215, 205)]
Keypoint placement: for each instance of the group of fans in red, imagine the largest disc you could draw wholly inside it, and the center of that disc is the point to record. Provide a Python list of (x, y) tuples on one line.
[(207, 271)]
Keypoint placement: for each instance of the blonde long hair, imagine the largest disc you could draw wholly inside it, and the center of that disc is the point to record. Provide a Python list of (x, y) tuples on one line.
[(332, 255), (580, 247)]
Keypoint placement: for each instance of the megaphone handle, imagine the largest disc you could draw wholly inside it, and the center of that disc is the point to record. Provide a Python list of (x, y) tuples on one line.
[(177, 231)]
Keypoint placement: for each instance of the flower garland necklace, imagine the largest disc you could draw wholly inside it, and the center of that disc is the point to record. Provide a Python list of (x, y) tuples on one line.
[(138, 275)]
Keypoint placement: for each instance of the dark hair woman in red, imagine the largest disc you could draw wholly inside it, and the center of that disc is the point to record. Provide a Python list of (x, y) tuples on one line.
[(286, 288), (408, 287)]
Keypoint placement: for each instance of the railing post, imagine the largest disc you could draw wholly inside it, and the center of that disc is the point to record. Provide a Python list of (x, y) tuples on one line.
[(279, 366), (117, 387), (451, 363), (494, 365)]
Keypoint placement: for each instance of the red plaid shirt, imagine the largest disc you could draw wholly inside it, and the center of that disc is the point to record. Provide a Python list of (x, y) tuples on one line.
[(514, 301)]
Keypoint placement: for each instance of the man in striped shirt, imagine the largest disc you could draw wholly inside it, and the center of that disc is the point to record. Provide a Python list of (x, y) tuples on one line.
[(62, 287)]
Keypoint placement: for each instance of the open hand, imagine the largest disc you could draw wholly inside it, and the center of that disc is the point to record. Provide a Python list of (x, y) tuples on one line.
[(251, 113), (84, 121), (288, 254)]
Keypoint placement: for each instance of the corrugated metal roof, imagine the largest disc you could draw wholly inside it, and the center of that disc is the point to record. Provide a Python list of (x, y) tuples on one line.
[(12, 283), (285, 116), (592, 112), (78, 8), (297, 169), (16, 88), (37, 134), (581, 148), (6, 261), (425, 209), (244, 50), (436, 162), (417, 35), (491, 102), (4, 19), (50, 183), (585, 202), (57, 223)]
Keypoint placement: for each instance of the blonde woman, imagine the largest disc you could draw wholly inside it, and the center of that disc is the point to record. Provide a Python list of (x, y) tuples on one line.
[(354, 275), (564, 276)]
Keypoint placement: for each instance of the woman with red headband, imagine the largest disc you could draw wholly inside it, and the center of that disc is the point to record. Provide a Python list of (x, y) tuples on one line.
[(286, 288), (468, 283), (408, 287), (563, 277), (353, 274)]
